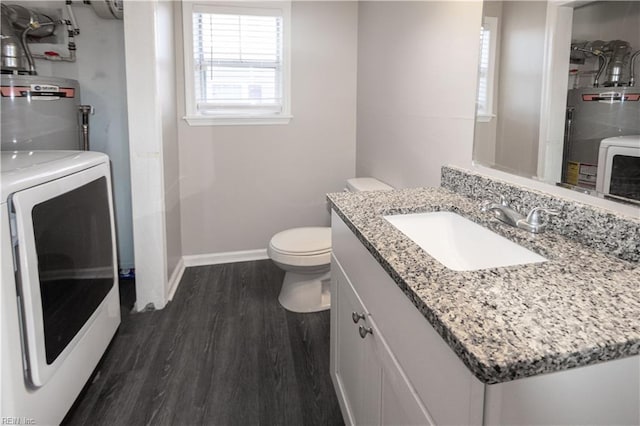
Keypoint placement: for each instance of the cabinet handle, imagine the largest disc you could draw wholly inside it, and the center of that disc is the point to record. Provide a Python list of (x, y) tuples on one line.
[(364, 331), (356, 317)]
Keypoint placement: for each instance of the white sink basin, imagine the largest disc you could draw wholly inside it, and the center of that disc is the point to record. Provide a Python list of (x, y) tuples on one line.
[(460, 244)]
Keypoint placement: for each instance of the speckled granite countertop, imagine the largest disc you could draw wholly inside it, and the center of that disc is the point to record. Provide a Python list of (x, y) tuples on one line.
[(578, 308)]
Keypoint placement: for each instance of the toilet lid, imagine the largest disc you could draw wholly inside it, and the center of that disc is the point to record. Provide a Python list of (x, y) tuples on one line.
[(303, 241)]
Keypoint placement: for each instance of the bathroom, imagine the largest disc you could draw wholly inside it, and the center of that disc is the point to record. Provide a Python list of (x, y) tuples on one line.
[(383, 89)]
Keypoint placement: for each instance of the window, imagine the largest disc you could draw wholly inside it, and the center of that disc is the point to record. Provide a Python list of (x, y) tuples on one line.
[(488, 45), (237, 63)]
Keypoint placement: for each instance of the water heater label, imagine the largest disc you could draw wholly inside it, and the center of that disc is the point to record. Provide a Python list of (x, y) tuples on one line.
[(38, 92), (611, 97), (44, 88)]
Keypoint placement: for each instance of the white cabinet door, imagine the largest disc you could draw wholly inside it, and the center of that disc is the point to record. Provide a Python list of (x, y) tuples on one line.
[(393, 408), (356, 368), (372, 387), (400, 404)]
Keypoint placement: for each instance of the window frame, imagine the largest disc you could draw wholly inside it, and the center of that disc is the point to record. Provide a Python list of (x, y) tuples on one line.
[(484, 113), (193, 117)]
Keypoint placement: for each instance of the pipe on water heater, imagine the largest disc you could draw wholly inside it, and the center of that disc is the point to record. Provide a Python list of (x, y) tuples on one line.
[(85, 110)]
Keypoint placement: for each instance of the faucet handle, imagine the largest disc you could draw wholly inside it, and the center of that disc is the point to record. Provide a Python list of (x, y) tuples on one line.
[(533, 218), (503, 199)]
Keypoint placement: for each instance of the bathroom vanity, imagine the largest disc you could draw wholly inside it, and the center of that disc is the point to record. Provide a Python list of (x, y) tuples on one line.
[(413, 342)]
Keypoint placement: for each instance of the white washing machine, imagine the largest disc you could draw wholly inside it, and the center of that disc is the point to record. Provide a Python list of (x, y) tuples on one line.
[(619, 167), (59, 301)]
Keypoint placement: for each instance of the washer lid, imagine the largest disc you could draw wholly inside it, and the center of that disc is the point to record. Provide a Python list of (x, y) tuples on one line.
[(25, 169), (303, 241), (631, 141)]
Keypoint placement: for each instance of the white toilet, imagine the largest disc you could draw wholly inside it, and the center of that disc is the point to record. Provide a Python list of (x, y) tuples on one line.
[(305, 255)]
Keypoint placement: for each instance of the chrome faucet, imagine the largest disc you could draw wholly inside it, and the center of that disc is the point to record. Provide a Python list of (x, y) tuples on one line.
[(534, 223), (506, 214), (503, 211)]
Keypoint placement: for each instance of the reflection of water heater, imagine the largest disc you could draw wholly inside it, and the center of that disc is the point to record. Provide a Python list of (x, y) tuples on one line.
[(594, 114), (40, 113), (108, 9)]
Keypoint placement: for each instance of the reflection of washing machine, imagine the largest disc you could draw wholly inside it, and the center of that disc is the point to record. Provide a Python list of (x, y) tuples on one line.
[(594, 114), (619, 167), (59, 303)]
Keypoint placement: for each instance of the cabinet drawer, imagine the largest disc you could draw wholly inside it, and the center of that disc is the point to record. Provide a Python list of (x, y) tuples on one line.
[(449, 391)]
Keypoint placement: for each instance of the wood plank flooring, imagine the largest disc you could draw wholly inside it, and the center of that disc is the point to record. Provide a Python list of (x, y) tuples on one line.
[(223, 352)]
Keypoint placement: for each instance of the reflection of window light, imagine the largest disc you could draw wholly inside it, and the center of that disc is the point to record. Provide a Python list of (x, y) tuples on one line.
[(488, 43)]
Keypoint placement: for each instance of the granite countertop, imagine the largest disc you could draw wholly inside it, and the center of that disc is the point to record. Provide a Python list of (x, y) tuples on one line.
[(580, 307)]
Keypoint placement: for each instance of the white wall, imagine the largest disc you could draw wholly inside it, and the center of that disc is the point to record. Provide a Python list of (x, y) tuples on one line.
[(153, 146), (484, 138), (100, 70), (242, 184), (168, 16), (417, 69), (520, 85)]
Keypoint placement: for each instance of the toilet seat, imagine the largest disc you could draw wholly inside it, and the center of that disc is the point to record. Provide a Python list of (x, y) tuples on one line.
[(308, 246), (309, 240)]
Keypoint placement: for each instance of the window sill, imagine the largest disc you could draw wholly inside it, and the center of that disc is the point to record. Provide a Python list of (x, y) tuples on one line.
[(199, 120), (485, 118)]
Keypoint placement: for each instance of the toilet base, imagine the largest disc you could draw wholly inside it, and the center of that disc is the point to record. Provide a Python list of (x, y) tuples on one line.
[(304, 293)]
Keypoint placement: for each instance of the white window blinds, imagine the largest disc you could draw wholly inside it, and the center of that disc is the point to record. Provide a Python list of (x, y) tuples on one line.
[(488, 43), (238, 62), (483, 83)]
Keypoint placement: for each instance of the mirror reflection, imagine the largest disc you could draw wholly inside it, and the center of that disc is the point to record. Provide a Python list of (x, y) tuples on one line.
[(557, 106)]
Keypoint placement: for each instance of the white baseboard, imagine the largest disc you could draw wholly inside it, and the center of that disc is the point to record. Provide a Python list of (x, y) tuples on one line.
[(175, 278), (227, 257)]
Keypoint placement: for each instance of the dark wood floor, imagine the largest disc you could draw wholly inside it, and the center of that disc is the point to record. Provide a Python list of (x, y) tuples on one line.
[(223, 352)]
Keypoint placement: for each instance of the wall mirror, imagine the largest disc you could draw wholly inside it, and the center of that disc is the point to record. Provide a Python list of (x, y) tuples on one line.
[(558, 97)]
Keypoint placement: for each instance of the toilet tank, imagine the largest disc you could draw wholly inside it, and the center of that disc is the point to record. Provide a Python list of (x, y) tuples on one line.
[(366, 184)]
